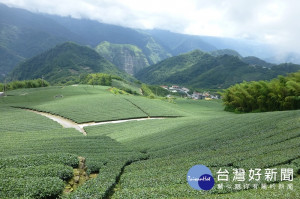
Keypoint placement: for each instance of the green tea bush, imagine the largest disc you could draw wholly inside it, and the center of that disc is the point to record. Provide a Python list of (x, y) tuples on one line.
[(56, 170), (40, 159), (31, 187)]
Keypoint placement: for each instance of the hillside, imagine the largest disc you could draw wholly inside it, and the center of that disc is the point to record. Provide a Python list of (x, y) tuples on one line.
[(8, 59), (139, 159), (256, 61), (63, 63), (25, 34), (127, 57), (202, 70), (93, 32)]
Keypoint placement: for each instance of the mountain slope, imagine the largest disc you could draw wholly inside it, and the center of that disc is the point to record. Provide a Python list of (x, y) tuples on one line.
[(179, 43), (127, 57), (225, 52), (63, 63), (94, 32), (160, 72), (256, 61), (24, 34), (8, 60), (202, 70), (28, 33)]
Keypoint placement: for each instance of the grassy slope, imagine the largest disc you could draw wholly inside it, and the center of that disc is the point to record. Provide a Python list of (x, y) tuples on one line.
[(210, 137), (206, 135), (87, 103)]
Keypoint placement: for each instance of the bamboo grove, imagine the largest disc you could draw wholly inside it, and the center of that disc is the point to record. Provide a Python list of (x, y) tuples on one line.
[(282, 93)]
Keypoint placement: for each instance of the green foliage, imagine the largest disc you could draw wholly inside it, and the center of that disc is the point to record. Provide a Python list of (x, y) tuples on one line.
[(52, 170), (117, 91), (129, 87), (98, 79), (46, 187), (39, 159), (277, 95), (36, 83), (147, 91)]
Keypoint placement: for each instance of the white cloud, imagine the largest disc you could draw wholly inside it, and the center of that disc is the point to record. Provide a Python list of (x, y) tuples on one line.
[(271, 21)]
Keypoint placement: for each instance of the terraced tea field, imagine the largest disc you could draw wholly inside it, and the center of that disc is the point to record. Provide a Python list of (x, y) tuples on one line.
[(139, 159)]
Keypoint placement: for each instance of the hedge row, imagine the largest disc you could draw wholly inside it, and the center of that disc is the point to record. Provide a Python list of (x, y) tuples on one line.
[(39, 159), (31, 187), (57, 170)]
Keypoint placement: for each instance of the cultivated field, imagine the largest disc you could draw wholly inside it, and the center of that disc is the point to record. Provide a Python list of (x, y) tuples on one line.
[(139, 159)]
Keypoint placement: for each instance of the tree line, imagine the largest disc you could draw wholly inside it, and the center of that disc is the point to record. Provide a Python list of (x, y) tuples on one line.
[(98, 79), (23, 84), (281, 93)]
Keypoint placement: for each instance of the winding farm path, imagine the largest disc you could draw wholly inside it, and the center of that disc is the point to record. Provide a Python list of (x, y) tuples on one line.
[(66, 123)]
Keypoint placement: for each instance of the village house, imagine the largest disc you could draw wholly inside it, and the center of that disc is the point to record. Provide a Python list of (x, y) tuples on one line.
[(196, 95), (165, 87)]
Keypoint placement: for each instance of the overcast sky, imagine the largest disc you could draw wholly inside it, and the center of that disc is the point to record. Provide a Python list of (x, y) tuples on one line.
[(272, 21)]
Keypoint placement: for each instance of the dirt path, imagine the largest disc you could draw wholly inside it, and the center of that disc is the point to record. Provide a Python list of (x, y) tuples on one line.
[(66, 123)]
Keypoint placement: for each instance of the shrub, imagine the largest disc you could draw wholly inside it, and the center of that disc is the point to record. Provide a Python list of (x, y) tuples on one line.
[(47, 187), (40, 159)]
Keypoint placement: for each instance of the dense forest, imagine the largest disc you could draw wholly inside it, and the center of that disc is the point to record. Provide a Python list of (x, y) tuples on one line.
[(282, 93)]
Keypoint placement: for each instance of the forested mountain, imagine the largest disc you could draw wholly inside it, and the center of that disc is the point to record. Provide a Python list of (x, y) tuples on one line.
[(93, 32), (65, 62), (256, 61), (202, 70), (221, 52), (127, 57), (24, 34)]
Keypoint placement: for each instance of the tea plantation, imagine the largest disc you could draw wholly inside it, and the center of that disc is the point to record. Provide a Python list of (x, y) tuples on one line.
[(140, 159)]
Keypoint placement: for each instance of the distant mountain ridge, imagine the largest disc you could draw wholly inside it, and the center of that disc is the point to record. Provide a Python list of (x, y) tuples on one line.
[(25, 35), (202, 70), (65, 62)]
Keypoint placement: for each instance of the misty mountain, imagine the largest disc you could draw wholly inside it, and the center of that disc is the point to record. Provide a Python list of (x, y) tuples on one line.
[(179, 43), (65, 62), (25, 34), (94, 32), (202, 70), (284, 58)]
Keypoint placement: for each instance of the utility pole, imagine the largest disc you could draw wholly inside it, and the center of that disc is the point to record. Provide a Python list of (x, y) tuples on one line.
[(42, 80)]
